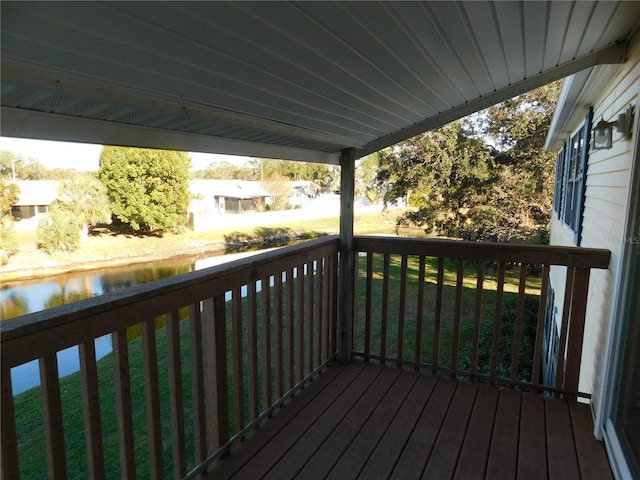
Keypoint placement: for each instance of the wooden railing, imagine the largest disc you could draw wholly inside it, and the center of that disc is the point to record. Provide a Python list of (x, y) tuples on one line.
[(442, 305), (227, 345), (200, 360)]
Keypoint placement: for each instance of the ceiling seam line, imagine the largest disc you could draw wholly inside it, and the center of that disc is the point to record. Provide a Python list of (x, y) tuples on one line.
[(306, 70), (216, 73), (358, 54), (449, 46)]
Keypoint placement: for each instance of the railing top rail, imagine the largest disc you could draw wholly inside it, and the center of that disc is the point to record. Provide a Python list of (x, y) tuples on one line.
[(190, 287), (490, 251)]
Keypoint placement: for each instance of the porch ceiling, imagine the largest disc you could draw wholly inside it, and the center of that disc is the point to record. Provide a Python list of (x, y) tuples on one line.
[(297, 80)]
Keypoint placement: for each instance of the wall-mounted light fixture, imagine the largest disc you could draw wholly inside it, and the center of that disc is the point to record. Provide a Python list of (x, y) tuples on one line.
[(603, 131)]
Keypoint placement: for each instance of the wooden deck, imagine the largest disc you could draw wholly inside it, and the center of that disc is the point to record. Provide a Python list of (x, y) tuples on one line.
[(367, 421)]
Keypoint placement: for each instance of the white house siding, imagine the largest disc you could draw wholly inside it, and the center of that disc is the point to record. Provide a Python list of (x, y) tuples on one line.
[(603, 225)]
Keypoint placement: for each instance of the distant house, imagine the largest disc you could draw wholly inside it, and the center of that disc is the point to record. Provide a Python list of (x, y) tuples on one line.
[(226, 196), (303, 192), (36, 196)]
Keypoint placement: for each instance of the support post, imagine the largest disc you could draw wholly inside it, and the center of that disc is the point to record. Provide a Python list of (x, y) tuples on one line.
[(346, 267)]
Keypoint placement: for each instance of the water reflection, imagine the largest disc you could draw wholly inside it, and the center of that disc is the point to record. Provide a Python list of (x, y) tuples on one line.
[(20, 298), (25, 297)]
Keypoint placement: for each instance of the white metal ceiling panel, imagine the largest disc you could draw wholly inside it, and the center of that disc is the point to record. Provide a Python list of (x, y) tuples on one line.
[(304, 79), (535, 34)]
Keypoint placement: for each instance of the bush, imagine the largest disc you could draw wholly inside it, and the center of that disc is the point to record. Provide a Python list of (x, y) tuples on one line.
[(60, 233), (8, 242), (505, 347)]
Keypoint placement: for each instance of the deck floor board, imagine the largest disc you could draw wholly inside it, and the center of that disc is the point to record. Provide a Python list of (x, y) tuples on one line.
[(364, 420)]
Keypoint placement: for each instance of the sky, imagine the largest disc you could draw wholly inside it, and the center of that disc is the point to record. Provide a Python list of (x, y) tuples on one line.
[(84, 157)]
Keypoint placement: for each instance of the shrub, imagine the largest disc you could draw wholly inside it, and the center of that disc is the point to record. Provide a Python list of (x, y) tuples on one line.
[(505, 347), (60, 233), (8, 242)]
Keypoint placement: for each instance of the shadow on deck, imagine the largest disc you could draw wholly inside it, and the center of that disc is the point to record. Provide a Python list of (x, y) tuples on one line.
[(364, 420)]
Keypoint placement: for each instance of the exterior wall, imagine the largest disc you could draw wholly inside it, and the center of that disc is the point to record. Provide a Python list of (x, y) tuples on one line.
[(603, 224)]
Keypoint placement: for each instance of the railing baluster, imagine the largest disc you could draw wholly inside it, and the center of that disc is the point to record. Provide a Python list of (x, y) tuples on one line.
[(402, 308), (152, 398), (517, 327), (368, 306), (457, 315), (564, 327), (237, 365), (299, 316), (252, 349), (176, 396), (475, 340), (495, 340), (9, 436), (355, 318), (420, 312), (91, 409), (542, 310), (334, 303), (197, 383), (310, 314), (279, 351), (52, 413), (385, 306), (319, 309), (326, 308), (290, 330), (123, 404), (266, 342), (438, 315)]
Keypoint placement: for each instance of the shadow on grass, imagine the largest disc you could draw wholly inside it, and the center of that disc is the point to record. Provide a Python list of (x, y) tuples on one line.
[(119, 230), (266, 237)]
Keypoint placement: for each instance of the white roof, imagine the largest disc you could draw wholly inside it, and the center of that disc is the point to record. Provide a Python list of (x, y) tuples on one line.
[(227, 188), (37, 192)]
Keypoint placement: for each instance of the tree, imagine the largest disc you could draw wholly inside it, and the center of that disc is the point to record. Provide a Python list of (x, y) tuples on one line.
[(266, 168), (16, 166), (365, 178), (279, 190), (226, 170), (9, 194), (486, 177), (85, 197), (443, 173), (148, 189), (13, 166)]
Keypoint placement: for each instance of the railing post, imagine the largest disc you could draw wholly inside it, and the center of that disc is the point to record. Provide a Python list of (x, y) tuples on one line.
[(575, 332), (346, 268), (215, 367)]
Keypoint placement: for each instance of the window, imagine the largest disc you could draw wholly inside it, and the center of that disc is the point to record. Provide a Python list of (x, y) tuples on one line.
[(571, 173), (557, 194), (573, 178)]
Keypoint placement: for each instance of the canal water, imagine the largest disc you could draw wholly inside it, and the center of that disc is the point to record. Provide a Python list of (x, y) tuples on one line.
[(20, 298)]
